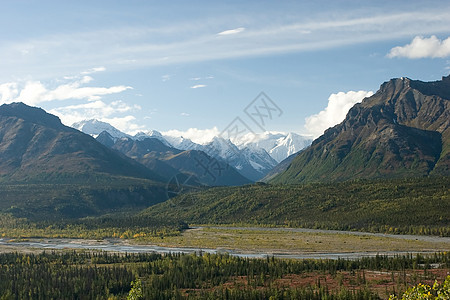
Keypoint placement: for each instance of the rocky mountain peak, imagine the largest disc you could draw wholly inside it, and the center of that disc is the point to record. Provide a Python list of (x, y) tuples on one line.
[(402, 130), (30, 114)]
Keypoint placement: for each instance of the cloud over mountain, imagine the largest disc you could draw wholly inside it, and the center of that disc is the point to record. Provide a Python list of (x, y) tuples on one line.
[(338, 106), (85, 102), (199, 136)]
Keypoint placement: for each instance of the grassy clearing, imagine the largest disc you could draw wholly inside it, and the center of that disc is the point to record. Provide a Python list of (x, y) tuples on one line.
[(291, 242)]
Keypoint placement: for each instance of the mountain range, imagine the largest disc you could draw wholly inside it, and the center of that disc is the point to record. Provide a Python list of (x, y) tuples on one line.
[(51, 170), (403, 130), (168, 162), (252, 158)]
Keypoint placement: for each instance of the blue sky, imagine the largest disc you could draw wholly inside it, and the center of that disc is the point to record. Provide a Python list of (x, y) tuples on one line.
[(194, 66)]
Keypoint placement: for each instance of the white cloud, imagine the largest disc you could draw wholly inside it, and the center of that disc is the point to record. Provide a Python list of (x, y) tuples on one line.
[(197, 86), (338, 106), (93, 70), (100, 110), (199, 136), (232, 31), (166, 77), (200, 78), (36, 92), (8, 91), (86, 102), (184, 114), (125, 124), (423, 47)]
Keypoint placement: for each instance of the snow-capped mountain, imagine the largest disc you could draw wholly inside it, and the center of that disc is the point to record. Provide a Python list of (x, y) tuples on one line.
[(278, 145), (182, 143), (252, 156), (252, 163), (95, 127), (289, 145), (142, 135)]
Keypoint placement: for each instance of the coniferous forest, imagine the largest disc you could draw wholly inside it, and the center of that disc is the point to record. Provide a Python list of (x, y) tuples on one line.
[(102, 275)]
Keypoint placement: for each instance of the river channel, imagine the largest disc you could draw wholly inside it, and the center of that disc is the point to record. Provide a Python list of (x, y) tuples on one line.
[(121, 246)]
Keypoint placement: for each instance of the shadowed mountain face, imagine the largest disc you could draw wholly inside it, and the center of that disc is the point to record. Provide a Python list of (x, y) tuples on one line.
[(401, 131), (169, 162), (36, 147)]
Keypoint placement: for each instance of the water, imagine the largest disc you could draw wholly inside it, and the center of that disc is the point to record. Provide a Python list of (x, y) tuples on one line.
[(116, 245)]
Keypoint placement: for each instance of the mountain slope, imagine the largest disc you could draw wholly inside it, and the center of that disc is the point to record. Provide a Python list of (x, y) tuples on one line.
[(49, 171), (280, 168), (401, 131), (278, 145), (393, 205), (251, 159), (168, 161), (207, 169), (36, 147), (251, 163)]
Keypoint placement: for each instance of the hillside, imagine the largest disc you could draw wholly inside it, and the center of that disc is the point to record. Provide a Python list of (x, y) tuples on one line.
[(36, 147), (419, 205), (51, 202), (50, 171), (401, 131), (280, 168)]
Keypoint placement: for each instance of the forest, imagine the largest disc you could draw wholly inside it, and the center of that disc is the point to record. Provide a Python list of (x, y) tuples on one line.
[(400, 206), (102, 275), (123, 226)]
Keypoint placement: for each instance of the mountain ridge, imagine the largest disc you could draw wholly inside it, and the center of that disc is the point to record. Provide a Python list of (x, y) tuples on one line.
[(36, 146), (400, 131), (253, 156), (170, 162)]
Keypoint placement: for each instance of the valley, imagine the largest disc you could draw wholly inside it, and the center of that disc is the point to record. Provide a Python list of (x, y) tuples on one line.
[(252, 242), (374, 188), (225, 150)]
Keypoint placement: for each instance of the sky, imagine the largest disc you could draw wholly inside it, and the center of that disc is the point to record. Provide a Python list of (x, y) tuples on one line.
[(202, 68)]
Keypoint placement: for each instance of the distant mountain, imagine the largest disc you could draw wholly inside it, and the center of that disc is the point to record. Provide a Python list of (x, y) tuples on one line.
[(252, 163), (253, 159), (208, 170), (182, 143), (169, 162), (401, 131), (278, 145), (36, 147), (95, 127), (142, 135)]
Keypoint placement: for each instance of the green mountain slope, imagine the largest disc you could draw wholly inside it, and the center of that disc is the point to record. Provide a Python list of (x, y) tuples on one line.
[(419, 205), (50, 171), (401, 131)]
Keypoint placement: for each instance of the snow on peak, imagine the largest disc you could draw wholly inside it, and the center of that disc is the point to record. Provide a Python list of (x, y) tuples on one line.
[(278, 144), (95, 127), (182, 143)]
